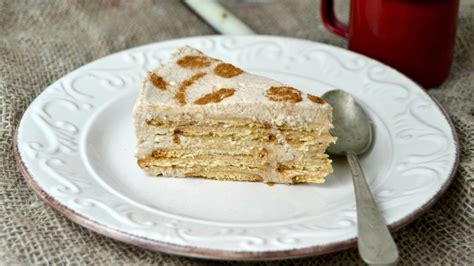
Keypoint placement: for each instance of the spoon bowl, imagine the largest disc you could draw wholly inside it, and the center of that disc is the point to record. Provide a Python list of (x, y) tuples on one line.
[(353, 126)]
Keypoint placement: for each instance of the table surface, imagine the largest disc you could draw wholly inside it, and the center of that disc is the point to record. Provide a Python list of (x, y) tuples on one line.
[(41, 41)]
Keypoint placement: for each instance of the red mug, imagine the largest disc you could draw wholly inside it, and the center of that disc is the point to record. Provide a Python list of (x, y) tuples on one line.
[(414, 36)]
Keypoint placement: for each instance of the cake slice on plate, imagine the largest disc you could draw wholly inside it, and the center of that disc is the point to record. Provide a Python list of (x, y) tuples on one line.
[(197, 116)]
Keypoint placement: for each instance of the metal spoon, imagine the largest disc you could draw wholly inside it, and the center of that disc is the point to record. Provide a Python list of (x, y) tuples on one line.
[(353, 130)]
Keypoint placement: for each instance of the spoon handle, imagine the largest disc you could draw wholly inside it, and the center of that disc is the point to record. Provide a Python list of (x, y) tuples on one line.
[(376, 245)]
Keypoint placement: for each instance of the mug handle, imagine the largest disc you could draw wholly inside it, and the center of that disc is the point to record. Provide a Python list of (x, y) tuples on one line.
[(330, 20)]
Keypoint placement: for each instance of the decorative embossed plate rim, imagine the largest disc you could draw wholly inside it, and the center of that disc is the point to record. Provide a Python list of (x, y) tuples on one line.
[(358, 62)]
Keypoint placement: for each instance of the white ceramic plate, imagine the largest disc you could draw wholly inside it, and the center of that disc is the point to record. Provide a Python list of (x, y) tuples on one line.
[(75, 146)]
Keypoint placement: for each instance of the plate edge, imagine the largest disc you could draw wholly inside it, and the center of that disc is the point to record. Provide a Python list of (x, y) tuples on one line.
[(206, 253)]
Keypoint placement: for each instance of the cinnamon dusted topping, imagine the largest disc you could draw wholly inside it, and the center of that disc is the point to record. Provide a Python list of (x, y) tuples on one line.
[(316, 99), (157, 81), (227, 70), (180, 96), (215, 97), (284, 94), (194, 61)]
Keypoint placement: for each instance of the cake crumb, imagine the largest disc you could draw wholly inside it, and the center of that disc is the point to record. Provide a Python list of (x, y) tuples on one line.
[(176, 139)]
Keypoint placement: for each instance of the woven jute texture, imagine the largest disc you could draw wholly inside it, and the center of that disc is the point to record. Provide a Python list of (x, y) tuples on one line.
[(40, 41)]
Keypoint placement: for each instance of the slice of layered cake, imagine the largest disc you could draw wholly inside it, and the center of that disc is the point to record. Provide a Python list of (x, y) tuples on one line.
[(197, 116)]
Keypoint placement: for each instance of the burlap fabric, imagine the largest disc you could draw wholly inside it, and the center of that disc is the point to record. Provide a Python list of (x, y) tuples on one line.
[(41, 41)]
